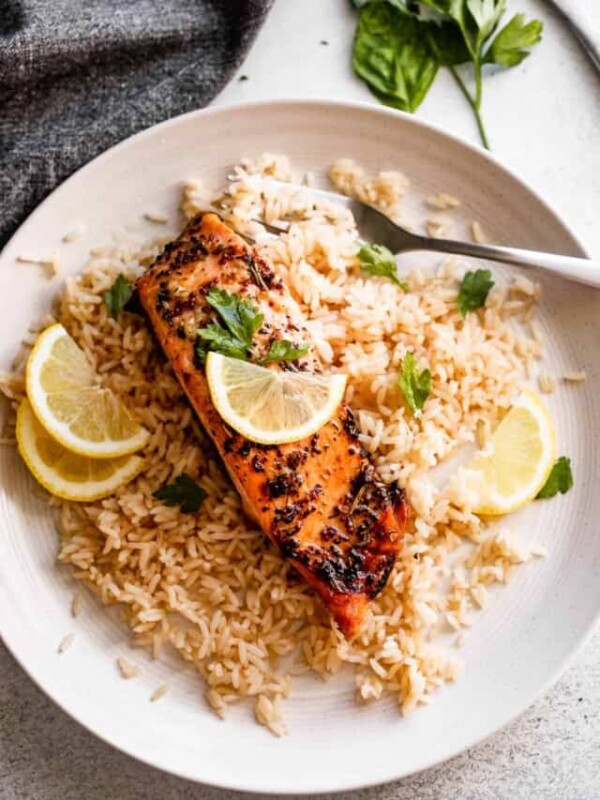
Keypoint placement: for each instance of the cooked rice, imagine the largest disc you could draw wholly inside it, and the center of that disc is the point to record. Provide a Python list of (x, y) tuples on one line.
[(442, 201), (547, 383), (209, 585), (65, 643), (159, 219), (436, 229), (158, 693), (574, 377), (477, 233), (71, 236), (76, 604), (128, 670)]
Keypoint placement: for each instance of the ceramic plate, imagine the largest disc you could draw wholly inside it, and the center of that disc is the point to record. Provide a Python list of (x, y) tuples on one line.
[(518, 646)]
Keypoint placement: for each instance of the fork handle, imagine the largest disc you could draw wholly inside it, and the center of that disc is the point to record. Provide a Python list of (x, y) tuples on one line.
[(582, 270)]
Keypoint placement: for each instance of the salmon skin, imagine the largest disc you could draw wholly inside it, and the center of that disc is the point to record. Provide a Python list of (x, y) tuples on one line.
[(318, 499)]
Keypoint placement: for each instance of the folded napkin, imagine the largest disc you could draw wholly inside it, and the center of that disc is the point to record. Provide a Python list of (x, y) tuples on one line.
[(77, 77)]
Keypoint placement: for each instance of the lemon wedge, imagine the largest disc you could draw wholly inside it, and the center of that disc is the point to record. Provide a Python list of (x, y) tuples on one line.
[(66, 474), (515, 466), (70, 402), (271, 406)]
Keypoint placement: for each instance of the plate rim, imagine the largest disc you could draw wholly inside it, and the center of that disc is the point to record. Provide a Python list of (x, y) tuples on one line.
[(250, 107)]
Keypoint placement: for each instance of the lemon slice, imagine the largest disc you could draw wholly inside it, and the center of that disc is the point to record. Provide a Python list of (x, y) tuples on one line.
[(71, 403), (271, 406), (66, 474), (511, 472)]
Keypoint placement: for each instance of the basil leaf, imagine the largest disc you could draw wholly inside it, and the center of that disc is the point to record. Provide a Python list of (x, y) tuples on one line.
[(241, 319), (283, 350), (415, 385), (117, 297), (184, 492), (375, 259), (559, 480), (448, 45), (474, 289), (512, 44), (393, 55)]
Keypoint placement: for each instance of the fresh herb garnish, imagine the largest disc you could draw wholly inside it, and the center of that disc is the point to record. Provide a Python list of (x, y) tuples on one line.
[(116, 298), (241, 319), (559, 480), (400, 45), (511, 45), (378, 260), (415, 385), (183, 492), (283, 350), (474, 289)]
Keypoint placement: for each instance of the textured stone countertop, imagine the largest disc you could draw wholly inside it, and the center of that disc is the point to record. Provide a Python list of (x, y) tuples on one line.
[(552, 752)]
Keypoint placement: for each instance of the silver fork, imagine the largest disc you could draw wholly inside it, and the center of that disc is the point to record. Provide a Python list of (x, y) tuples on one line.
[(376, 227)]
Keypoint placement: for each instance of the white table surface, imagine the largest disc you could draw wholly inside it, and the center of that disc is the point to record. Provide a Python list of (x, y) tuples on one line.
[(544, 122)]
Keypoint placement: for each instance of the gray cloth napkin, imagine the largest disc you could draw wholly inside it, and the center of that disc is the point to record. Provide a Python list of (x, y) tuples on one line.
[(77, 76)]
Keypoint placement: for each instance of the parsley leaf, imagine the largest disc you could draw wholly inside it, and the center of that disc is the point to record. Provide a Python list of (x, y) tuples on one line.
[(375, 259), (283, 350), (183, 492), (486, 15), (414, 385), (116, 298), (474, 289), (511, 45), (559, 480), (241, 319)]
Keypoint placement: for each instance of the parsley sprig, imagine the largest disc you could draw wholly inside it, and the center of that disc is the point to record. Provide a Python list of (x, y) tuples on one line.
[(233, 334), (284, 350), (376, 259), (400, 45), (474, 289), (559, 480), (414, 385), (183, 492), (116, 298)]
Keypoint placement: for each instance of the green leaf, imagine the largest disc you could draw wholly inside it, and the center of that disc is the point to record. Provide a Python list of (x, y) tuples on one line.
[(409, 6), (474, 289), (415, 385), (214, 337), (559, 480), (448, 44), (394, 56), (513, 42), (455, 12), (241, 319), (117, 297), (283, 350), (184, 492), (375, 259), (486, 15)]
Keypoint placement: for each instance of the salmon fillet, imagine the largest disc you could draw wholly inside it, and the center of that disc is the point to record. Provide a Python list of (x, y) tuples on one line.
[(318, 499)]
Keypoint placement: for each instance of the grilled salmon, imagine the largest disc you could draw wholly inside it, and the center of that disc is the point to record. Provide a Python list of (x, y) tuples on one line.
[(318, 499)]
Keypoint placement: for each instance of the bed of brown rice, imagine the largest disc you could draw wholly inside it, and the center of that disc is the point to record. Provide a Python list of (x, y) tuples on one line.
[(209, 585)]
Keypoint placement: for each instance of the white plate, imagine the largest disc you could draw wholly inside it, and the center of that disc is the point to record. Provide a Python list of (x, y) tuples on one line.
[(518, 646)]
